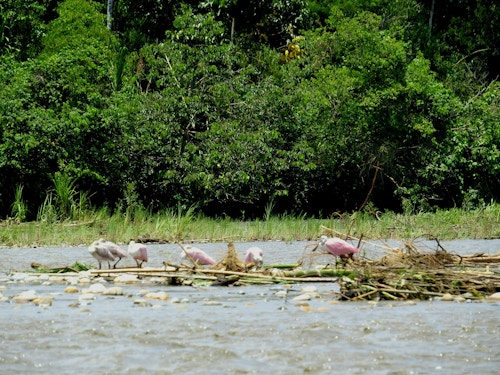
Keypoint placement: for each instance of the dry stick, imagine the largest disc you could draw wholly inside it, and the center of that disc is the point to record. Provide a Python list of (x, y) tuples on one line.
[(380, 285), (269, 277), (377, 168), (387, 288), (154, 273), (187, 254), (388, 295), (481, 259), (361, 296), (359, 241), (262, 282), (399, 291), (220, 272)]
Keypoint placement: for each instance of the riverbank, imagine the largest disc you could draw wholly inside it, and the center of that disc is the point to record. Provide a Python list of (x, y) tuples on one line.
[(187, 226)]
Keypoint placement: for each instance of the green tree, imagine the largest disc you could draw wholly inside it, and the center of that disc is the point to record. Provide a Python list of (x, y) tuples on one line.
[(22, 27), (51, 106)]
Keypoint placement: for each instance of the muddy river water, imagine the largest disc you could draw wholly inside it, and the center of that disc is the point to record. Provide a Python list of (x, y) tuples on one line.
[(238, 330)]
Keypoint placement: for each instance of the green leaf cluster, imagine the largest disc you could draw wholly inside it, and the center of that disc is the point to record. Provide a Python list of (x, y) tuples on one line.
[(188, 104)]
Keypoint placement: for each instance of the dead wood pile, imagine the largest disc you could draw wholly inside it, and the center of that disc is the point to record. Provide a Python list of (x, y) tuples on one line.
[(411, 273)]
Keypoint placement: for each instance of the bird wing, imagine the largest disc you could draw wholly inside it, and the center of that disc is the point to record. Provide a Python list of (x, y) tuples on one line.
[(116, 250), (338, 246), (101, 253)]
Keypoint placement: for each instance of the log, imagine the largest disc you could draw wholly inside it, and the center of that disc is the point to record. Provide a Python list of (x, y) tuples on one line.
[(282, 266), (361, 296), (188, 272), (482, 259)]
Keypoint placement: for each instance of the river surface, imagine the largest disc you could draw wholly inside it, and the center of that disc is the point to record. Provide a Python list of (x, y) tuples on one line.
[(239, 330)]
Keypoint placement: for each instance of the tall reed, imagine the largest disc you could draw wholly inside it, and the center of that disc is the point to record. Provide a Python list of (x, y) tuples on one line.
[(19, 209)]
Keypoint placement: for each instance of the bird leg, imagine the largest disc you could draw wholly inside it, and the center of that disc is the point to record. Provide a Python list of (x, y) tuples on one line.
[(330, 263), (114, 265)]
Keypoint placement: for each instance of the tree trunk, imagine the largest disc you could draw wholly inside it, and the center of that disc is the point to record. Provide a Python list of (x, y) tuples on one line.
[(110, 14), (232, 30), (431, 15)]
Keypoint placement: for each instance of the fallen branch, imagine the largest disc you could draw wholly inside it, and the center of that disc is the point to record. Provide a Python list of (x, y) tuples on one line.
[(187, 272), (482, 259)]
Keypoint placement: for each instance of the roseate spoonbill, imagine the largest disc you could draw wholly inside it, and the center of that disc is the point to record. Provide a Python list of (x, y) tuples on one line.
[(114, 249), (101, 253), (139, 252), (254, 255), (337, 247), (197, 255)]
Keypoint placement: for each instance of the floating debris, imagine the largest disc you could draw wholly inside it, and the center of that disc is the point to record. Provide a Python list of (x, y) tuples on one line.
[(417, 274)]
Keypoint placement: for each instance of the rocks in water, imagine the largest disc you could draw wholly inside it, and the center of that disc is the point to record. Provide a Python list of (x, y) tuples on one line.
[(302, 297), (30, 296), (113, 291), (44, 301), (71, 289), (126, 279), (447, 297), (24, 297), (162, 296), (494, 296), (142, 303), (94, 289)]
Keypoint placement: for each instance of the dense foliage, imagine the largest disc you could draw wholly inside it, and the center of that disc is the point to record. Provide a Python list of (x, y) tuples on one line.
[(238, 106)]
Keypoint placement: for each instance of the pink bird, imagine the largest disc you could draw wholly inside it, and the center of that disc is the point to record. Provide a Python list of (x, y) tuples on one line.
[(337, 247), (139, 252), (197, 255), (254, 255)]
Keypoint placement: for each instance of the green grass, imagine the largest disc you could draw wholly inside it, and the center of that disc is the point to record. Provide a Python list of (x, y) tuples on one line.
[(187, 225)]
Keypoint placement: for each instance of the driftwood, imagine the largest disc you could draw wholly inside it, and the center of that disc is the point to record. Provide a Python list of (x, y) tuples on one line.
[(481, 258), (408, 272), (422, 275), (188, 272), (410, 285), (46, 269)]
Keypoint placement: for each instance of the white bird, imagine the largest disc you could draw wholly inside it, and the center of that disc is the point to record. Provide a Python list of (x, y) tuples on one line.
[(139, 252), (115, 250), (197, 255), (254, 255), (101, 253)]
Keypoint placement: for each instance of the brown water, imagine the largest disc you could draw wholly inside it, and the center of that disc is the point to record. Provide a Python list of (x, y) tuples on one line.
[(239, 330)]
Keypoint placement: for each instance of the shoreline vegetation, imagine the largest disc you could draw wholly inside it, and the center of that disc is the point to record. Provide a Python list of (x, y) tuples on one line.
[(188, 226)]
